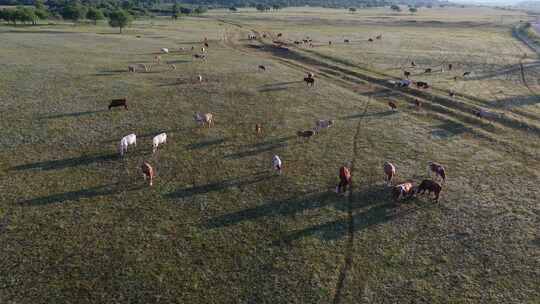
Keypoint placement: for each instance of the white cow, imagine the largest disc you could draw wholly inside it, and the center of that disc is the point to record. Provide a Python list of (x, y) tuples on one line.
[(127, 140), (158, 139), (276, 164), (203, 119), (165, 50)]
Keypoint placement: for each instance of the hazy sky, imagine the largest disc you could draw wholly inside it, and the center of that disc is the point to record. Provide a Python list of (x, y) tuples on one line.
[(500, 2)]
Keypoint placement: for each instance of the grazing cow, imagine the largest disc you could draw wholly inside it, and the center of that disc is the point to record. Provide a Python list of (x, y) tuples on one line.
[(404, 190), (422, 84), (258, 129), (205, 39), (148, 171), (310, 45), (192, 48), (389, 171), (280, 34), (264, 35), (309, 81), (450, 66), (165, 50), (486, 114), (200, 56), (305, 134), (431, 187), (466, 74), (199, 78), (345, 179), (428, 70), (417, 104), (413, 64), (379, 37), (126, 141), (297, 42), (277, 164), (147, 68), (370, 40), (346, 40), (157, 59), (329, 42), (392, 105), (407, 74), (172, 67), (403, 83), (203, 50), (121, 102), (323, 124), (131, 68), (451, 94), (310, 75), (438, 169), (262, 68), (305, 40), (158, 140), (206, 44), (204, 119)]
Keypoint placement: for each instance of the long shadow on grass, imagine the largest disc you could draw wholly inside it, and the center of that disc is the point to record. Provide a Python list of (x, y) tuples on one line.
[(450, 129), (74, 114), (220, 185), (66, 163), (280, 86), (206, 144), (375, 114), (78, 195)]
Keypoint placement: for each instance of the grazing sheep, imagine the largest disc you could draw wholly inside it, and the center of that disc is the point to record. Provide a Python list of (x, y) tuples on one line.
[(120, 102), (422, 84), (392, 105), (277, 164), (204, 119), (165, 50), (126, 141), (148, 171), (157, 140)]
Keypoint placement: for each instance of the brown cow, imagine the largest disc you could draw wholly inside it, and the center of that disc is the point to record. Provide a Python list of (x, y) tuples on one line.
[(392, 105), (305, 134), (404, 190), (258, 129), (438, 169), (148, 171), (262, 67), (429, 70), (346, 40), (345, 179), (431, 187), (309, 81), (407, 74), (370, 40), (417, 104), (121, 102), (389, 171)]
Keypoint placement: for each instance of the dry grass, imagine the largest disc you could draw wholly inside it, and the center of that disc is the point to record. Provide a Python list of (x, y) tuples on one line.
[(77, 224)]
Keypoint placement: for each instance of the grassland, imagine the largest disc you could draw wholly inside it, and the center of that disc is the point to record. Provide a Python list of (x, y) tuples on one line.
[(78, 224)]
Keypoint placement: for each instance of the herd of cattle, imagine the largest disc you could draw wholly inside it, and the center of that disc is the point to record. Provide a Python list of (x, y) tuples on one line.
[(402, 190)]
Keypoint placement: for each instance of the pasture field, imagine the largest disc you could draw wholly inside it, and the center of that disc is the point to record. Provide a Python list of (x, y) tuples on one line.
[(79, 225)]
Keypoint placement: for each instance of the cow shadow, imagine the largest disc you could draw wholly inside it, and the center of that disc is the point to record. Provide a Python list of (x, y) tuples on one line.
[(102, 190), (73, 114), (205, 144), (450, 129), (373, 114), (66, 163), (253, 152), (238, 182), (280, 86)]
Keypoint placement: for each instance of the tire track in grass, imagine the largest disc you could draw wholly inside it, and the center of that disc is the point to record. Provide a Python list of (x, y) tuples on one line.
[(350, 232)]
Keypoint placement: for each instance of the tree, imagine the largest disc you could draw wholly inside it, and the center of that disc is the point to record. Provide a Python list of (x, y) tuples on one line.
[(94, 14), (175, 11), (74, 11), (185, 11), (276, 7), (352, 9), (199, 10), (413, 9), (260, 7), (233, 9), (120, 19), (395, 7)]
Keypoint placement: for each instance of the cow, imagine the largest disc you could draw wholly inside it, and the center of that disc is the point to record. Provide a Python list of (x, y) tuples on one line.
[(466, 74), (486, 114), (451, 94), (345, 179), (165, 50), (403, 83), (172, 67), (323, 124), (258, 129), (392, 105), (121, 102), (262, 68), (157, 59), (203, 50), (204, 119), (379, 37), (422, 84), (277, 164), (438, 169), (280, 34), (310, 75), (126, 141), (329, 42), (417, 104), (157, 140), (131, 68), (148, 171), (346, 40), (206, 44), (431, 187), (404, 190), (450, 66), (389, 171), (413, 64), (305, 134), (428, 70), (309, 81), (370, 39), (407, 74), (199, 78)]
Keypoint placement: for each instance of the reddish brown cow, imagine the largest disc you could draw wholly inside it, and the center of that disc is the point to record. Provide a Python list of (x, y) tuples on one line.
[(148, 171), (121, 102), (404, 190), (438, 169), (258, 129), (389, 171), (345, 179), (417, 104), (431, 187), (392, 105)]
